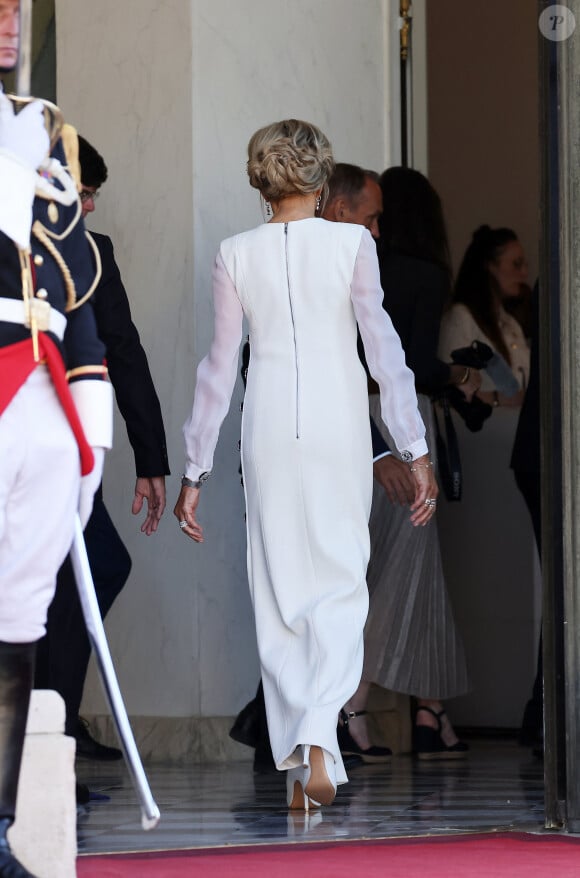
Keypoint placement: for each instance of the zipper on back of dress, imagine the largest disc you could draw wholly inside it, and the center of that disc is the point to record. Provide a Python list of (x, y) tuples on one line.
[(293, 330)]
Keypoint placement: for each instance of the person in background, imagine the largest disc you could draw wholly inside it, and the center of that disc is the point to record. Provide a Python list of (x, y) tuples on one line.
[(64, 653), (487, 540), (411, 641), (354, 196)]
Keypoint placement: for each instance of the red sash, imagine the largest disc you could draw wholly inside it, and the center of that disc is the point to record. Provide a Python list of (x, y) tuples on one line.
[(17, 364)]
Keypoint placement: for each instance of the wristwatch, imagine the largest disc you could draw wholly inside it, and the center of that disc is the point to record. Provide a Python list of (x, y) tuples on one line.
[(190, 483)]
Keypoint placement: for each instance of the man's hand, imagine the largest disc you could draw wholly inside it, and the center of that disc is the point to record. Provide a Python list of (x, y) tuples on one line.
[(153, 491), (396, 479)]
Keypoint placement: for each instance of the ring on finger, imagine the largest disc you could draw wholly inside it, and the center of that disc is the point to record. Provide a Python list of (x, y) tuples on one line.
[(431, 502), (183, 524)]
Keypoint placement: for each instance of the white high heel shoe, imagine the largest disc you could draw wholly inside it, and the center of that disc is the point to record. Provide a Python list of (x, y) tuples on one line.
[(295, 797), (319, 775)]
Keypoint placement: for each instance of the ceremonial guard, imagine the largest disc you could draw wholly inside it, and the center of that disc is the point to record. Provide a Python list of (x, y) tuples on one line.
[(55, 399)]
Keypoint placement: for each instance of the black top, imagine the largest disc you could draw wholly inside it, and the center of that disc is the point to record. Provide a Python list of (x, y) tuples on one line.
[(526, 450), (415, 295), (128, 368)]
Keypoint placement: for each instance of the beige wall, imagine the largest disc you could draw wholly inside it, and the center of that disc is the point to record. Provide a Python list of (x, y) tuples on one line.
[(483, 117)]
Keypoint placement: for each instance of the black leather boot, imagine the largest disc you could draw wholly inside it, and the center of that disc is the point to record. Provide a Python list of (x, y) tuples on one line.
[(16, 672)]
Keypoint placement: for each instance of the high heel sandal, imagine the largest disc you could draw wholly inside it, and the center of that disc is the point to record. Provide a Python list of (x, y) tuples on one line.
[(319, 776), (349, 747), (428, 743)]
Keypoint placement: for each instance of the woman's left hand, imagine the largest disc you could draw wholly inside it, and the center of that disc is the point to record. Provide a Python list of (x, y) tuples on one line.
[(426, 491), (185, 513)]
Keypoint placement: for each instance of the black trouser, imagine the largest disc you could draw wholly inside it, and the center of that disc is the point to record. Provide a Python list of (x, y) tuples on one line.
[(63, 654), (16, 673), (529, 485)]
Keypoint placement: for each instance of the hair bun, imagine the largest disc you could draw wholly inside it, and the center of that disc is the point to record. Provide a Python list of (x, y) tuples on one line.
[(287, 158)]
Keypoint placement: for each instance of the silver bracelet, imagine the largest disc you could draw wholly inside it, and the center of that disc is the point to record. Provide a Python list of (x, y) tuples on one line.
[(191, 483)]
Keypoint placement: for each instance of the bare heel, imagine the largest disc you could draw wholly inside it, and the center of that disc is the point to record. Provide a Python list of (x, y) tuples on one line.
[(319, 782)]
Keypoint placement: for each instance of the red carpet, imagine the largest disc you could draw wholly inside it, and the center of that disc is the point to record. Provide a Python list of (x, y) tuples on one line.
[(490, 856)]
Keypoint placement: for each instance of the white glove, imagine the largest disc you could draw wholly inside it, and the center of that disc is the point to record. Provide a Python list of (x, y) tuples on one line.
[(89, 485), (24, 135)]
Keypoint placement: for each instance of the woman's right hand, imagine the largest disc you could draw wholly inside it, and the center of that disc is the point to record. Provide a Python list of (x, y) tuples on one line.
[(426, 491), (472, 385), (185, 513)]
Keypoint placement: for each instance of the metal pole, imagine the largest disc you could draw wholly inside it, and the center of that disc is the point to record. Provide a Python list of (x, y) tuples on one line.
[(405, 41), (569, 198), (24, 68), (551, 441)]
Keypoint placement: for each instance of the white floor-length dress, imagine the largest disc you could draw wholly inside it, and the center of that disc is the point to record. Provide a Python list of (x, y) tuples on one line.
[(306, 454)]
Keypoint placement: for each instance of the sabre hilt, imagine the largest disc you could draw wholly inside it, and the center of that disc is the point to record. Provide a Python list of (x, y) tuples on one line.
[(53, 117)]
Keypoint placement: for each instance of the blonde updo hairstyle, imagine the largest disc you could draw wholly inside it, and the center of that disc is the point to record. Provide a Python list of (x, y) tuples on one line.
[(290, 158)]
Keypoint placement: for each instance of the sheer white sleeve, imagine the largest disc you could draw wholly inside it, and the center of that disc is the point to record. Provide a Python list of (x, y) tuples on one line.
[(385, 356), (216, 376)]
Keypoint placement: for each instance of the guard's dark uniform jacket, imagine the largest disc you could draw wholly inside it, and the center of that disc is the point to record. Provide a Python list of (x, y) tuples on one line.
[(41, 287), (61, 265)]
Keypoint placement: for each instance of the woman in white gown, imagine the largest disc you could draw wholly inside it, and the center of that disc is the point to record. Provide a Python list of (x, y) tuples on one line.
[(304, 284)]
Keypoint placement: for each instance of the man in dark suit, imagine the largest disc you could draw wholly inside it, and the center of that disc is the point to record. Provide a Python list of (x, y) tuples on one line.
[(355, 196), (64, 654)]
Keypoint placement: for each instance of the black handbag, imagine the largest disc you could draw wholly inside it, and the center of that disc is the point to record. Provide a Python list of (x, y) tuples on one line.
[(448, 459)]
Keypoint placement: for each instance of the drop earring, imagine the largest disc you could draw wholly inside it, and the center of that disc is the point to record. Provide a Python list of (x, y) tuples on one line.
[(266, 208), (317, 204)]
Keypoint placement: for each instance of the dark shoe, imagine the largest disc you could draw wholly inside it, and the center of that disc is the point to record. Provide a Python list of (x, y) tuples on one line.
[(428, 743), (10, 867), (245, 728), (263, 758), (349, 747), (88, 748), (83, 794), (532, 727)]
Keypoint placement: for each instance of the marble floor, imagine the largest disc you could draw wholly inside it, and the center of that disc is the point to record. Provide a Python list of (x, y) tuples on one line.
[(498, 787)]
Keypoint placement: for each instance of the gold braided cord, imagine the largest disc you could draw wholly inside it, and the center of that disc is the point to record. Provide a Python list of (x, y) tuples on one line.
[(40, 194), (70, 142), (28, 295), (26, 279), (39, 232), (86, 370), (98, 273)]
